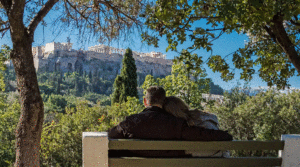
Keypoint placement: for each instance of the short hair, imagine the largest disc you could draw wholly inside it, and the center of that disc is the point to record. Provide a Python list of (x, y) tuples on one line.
[(155, 95)]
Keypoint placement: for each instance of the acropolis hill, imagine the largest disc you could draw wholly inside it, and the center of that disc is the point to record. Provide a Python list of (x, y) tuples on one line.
[(57, 56)]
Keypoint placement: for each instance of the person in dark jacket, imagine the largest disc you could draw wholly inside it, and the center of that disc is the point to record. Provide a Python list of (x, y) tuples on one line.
[(154, 123)]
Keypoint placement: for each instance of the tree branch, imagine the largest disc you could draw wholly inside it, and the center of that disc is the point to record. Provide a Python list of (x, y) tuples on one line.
[(15, 15), (40, 15), (283, 40), (80, 13), (216, 29), (269, 31), (116, 10), (6, 4), (179, 28), (221, 33), (294, 23), (4, 29), (204, 17), (4, 26)]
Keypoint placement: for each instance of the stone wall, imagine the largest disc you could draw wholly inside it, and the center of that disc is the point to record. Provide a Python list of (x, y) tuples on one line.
[(57, 46)]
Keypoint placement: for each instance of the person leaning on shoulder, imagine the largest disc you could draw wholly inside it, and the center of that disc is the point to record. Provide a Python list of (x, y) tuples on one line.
[(154, 123), (194, 117)]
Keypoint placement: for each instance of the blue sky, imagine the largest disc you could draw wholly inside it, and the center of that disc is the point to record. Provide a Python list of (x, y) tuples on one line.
[(226, 44)]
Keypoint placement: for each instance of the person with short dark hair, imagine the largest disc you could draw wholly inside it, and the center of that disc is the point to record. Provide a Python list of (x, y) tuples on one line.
[(154, 123), (155, 96)]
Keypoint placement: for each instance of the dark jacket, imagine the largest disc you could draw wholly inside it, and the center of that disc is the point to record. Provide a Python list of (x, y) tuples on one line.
[(154, 123)]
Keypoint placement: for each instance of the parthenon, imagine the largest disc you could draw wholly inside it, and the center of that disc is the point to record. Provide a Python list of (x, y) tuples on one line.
[(106, 49)]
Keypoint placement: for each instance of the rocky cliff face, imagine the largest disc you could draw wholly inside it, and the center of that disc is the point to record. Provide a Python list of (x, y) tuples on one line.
[(105, 65)]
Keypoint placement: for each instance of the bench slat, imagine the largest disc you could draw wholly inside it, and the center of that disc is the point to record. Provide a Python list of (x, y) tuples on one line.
[(207, 162), (131, 144)]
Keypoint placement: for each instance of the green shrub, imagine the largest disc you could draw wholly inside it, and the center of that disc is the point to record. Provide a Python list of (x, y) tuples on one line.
[(265, 116), (55, 103), (95, 98), (118, 111), (9, 116), (61, 143)]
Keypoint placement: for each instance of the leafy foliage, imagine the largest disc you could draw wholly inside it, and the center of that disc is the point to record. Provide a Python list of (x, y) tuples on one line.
[(97, 98), (61, 140), (119, 111), (117, 90), (55, 103), (4, 55), (187, 80), (61, 143), (272, 28), (9, 116), (265, 116), (73, 83)]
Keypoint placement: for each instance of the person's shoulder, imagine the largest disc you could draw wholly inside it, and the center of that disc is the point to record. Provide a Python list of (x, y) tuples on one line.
[(153, 110), (208, 116), (150, 114), (136, 118)]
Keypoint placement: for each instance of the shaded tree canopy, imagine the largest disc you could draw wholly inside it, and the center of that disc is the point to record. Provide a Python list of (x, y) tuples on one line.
[(273, 29), (104, 20)]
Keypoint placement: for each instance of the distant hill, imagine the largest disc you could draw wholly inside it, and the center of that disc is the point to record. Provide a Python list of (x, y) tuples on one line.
[(254, 91), (215, 89)]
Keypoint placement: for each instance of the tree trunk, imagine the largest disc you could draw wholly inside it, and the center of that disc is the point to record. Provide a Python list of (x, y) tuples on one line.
[(284, 41), (29, 128)]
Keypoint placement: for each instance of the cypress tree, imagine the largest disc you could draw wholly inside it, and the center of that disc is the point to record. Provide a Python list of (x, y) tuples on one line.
[(117, 90), (128, 74), (126, 84)]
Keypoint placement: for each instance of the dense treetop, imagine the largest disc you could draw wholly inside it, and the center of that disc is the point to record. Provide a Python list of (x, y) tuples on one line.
[(272, 28)]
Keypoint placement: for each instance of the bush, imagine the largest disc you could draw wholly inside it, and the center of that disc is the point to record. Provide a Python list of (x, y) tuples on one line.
[(9, 117), (95, 98), (118, 111), (55, 103), (265, 116), (61, 143)]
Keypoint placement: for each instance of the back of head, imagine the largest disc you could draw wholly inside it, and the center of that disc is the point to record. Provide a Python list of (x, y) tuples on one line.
[(176, 107), (180, 109), (155, 95)]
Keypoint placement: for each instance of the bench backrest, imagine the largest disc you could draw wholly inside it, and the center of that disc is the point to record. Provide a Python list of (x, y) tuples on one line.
[(96, 146)]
